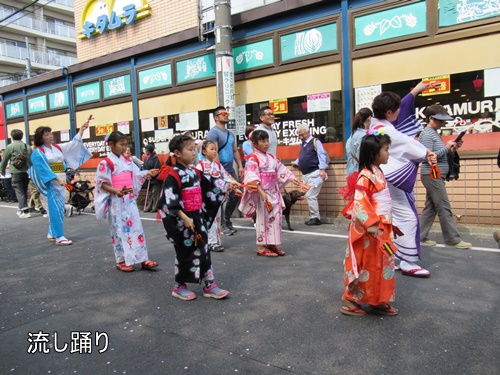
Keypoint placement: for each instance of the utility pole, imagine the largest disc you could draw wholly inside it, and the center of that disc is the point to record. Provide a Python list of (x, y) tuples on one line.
[(224, 61)]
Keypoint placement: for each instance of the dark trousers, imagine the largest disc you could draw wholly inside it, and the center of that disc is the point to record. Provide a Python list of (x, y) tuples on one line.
[(20, 183), (230, 204), (10, 195)]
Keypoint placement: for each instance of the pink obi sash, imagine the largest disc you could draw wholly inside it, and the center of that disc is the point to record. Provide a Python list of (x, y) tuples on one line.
[(121, 180), (191, 197), (267, 180)]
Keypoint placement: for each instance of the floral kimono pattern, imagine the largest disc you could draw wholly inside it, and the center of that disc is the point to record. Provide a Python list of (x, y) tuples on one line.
[(369, 275), (199, 198), (125, 227), (272, 175)]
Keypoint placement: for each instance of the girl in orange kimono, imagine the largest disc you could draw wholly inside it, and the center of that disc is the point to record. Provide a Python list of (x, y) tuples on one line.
[(369, 275)]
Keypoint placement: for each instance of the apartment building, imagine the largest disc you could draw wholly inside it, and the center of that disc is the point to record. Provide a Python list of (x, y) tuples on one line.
[(313, 61), (35, 37)]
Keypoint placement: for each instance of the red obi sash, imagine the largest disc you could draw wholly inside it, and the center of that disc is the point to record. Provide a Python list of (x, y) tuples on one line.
[(191, 197)]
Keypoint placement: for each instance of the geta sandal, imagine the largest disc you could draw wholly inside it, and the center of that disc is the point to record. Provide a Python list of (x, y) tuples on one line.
[(263, 251), (277, 250), (124, 268), (385, 309), (352, 311), (148, 264)]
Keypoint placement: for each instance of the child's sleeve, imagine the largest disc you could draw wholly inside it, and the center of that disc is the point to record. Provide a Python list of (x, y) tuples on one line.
[(363, 209), (171, 201), (102, 197)]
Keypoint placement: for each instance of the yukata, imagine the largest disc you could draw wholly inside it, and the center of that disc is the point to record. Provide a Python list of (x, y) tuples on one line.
[(265, 169), (187, 190), (212, 171), (50, 163), (125, 227), (401, 175), (369, 275)]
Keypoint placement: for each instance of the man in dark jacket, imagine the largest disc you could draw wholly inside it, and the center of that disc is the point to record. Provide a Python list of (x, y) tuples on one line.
[(20, 178), (153, 185)]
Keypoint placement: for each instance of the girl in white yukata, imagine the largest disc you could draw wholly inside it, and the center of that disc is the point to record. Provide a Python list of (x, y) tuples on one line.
[(212, 169), (264, 177), (48, 174), (118, 182)]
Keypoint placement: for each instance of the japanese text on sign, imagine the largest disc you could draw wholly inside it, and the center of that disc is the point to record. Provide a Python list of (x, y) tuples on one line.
[(102, 130), (279, 105), (81, 342), (439, 85)]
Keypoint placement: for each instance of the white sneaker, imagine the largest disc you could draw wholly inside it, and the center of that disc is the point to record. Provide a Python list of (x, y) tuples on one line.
[(69, 210), (25, 215), (428, 242), (19, 212)]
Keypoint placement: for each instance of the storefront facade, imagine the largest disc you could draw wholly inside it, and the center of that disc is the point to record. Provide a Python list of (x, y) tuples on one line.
[(152, 78)]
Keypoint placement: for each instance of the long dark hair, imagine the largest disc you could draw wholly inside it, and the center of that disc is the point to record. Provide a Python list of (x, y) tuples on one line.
[(369, 149), (359, 119), (115, 137), (259, 135)]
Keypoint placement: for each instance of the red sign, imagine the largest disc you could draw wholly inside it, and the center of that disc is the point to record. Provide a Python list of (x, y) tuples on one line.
[(104, 129), (279, 105)]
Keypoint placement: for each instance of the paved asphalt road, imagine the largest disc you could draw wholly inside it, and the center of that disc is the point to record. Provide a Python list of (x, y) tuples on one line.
[(282, 316)]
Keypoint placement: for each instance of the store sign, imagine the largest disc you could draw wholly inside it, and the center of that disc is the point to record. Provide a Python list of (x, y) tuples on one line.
[(14, 109), (102, 130), (392, 23), (101, 15), (309, 42), (58, 99), (196, 68), (253, 55), (435, 89), (155, 77), (37, 104), (116, 86), (88, 93), (319, 102), (279, 106), (454, 12)]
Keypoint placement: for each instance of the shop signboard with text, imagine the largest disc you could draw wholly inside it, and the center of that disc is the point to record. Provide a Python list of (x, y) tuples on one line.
[(253, 55), (157, 77), (309, 42), (456, 12), (13, 110), (88, 93), (37, 104), (195, 68)]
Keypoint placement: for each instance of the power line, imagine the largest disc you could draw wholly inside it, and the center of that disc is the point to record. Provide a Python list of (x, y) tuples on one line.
[(18, 11)]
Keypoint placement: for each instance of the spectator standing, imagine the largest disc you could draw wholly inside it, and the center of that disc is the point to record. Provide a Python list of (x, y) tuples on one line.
[(135, 159), (312, 163), (436, 200), (247, 145), (20, 178), (361, 122), (151, 161), (228, 154), (266, 115)]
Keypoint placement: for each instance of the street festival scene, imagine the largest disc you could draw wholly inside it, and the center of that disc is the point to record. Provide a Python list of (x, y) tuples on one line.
[(256, 187)]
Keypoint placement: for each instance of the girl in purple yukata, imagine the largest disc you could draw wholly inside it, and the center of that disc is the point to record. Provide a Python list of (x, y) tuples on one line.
[(264, 177), (188, 205), (118, 182)]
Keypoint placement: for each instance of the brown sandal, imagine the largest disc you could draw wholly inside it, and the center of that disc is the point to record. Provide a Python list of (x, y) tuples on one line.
[(277, 250), (385, 309), (148, 264), (124, 268), (351, 308), (264, 251)]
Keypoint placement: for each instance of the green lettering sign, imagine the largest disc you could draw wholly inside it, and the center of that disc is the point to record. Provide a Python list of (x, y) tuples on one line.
[(196, 68), (309, 42), (14, 109), (116, 86), (88, 93), (58, 99), (37, 104), (392, 23), (253, 55), (155, 77)]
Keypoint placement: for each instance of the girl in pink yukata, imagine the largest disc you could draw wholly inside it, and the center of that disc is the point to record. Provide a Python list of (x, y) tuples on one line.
[(118, 182), (264, 177)]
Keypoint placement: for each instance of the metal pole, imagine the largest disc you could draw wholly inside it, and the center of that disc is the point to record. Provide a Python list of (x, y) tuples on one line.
[(224, 58)]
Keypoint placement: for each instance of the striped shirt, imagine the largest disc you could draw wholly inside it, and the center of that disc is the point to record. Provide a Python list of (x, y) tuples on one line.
[(432, 140)]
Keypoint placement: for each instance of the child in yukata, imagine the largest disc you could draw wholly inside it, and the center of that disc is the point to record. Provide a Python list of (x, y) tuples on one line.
[(118, 183), (188, 206), (264, 177), (212, 169), (369, 275)]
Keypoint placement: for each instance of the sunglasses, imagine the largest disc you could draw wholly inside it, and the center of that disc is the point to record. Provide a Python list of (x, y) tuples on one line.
[(223, 114)]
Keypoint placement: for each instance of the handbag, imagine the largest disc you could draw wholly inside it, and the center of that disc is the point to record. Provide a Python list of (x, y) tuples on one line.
[(21, 159), (454, 166)]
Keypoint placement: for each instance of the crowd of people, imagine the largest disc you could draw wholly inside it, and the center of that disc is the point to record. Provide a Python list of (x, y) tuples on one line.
[(196, 192)]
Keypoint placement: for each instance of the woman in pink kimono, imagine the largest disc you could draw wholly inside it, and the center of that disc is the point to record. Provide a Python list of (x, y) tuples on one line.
[(264, 177), (118, 182)]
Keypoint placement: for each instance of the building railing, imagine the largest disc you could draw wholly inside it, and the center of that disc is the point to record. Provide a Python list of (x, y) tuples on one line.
[(68, 3), (24, 20), (36, 56)]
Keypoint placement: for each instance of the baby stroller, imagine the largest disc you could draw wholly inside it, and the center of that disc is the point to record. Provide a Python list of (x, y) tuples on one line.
[(80, 190), (2, 191)]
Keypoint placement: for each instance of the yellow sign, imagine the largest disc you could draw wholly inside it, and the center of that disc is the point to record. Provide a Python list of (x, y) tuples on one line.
[(102, 130), (279, 106), (439, 85)]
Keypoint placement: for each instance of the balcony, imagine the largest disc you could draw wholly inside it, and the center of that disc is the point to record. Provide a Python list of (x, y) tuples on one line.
[(39, 25), (51, 60)]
